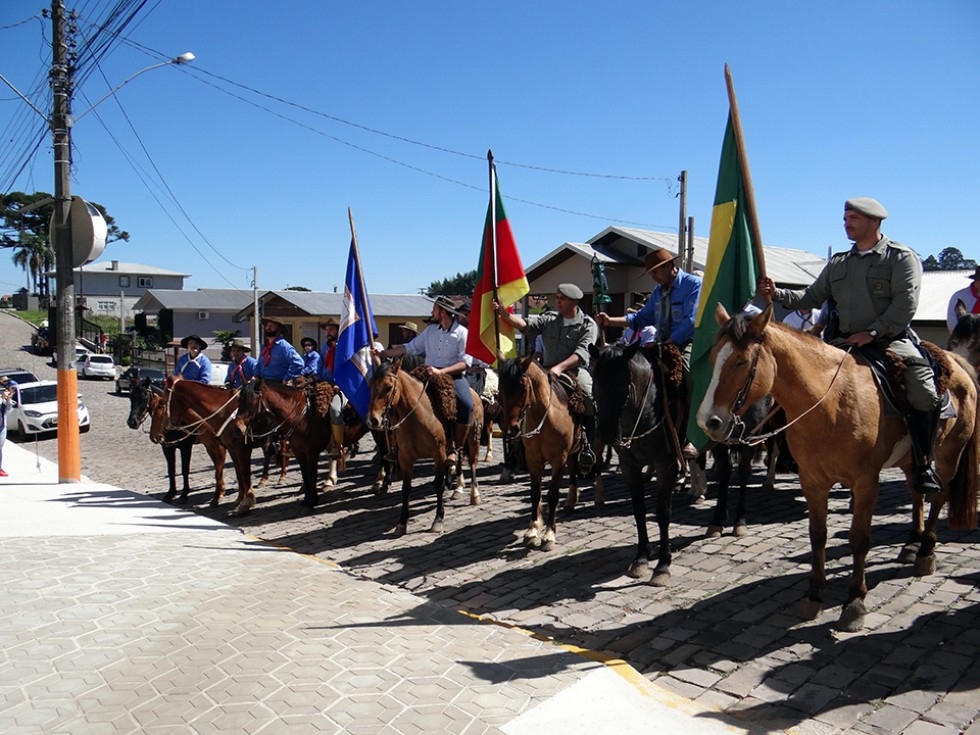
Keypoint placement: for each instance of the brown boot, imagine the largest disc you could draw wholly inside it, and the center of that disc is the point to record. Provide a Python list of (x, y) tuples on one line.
[(336, 449)]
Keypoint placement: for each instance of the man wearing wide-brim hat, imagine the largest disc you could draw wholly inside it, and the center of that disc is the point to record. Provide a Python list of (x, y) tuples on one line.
[(194, 364), (278, 361), (242, 367), (311, 358), (443, 343), (969, 296), (566, 335), (874, 291)]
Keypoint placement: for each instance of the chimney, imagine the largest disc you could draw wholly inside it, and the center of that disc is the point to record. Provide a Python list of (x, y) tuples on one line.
[(115, 265)]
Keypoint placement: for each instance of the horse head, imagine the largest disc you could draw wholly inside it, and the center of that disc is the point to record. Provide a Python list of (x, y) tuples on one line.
[(250, 399), (384, 390), (743, 371), (159, 412), (965, 337), (620, 384), (514, 394), (139, 403)]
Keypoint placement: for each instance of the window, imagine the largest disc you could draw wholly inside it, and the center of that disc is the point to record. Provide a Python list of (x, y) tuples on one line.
[(123, 281), (145, 282)]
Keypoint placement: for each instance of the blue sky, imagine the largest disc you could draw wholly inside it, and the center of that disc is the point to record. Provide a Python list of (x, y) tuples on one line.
[(389, 108)]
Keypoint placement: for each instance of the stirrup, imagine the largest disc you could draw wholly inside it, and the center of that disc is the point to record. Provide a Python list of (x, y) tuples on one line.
[(586, 459), (926, 481)]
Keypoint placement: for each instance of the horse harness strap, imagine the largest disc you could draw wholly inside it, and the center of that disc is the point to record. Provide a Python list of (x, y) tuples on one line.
[(391, 400), (544, 416), (192, 427), (625, 443)]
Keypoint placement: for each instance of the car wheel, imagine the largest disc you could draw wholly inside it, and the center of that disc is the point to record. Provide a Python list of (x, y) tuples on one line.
[(84, 429), (20, 428)]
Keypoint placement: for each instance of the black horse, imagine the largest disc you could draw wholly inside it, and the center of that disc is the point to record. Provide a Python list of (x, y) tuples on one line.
[(142, 399), (642, 414)]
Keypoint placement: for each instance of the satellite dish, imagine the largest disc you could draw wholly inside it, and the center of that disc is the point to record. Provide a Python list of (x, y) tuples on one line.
[(88, 232)]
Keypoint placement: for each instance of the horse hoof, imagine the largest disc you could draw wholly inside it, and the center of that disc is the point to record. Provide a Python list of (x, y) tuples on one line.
[(168, 498), (548, 544), (475, 499), (638, 570), (713, 532), (925, 565), (213, 504), (532, 542), (401, 529), (852, 617), (741, 531), (182, 500), (437, 526), (810, 609), (660, 579), (908, 554)]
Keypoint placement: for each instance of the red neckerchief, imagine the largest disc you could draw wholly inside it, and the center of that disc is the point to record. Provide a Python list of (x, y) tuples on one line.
[(976, 304), (267, 351), (328, 358)]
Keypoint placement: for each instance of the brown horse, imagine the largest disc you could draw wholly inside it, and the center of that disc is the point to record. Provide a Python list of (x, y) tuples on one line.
[(400, 404), (829, 396), (536, 410), (144, 398), (195, 408), (288, 411)]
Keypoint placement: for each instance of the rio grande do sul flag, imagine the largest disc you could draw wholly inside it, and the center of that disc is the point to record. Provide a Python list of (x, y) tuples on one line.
[(500, 270), (731, 272)]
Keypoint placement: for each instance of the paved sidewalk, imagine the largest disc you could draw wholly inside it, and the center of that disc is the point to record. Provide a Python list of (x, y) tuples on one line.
[(120, 614)]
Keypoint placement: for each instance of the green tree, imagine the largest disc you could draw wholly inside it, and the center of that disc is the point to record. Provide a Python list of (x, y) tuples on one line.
[(296, 288), (460, 284), (951, 259), (28, 233)]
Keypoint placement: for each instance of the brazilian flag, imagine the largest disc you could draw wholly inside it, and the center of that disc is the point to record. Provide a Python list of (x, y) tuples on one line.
[(731, 272)]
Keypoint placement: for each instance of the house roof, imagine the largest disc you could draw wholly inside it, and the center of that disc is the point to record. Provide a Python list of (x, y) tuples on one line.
[(131, 269), (204, 299), (626, 246), (302, 303), (937, 288)]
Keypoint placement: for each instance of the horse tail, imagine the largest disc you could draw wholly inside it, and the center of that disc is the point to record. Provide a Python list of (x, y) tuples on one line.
[(965, 486)]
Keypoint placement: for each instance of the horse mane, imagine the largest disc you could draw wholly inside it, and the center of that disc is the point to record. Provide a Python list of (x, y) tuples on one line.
[(510, 374)]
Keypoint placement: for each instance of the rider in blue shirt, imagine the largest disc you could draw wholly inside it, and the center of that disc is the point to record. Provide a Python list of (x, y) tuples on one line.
[(194, 364), (243, 366), (279, 361), (311, 358)]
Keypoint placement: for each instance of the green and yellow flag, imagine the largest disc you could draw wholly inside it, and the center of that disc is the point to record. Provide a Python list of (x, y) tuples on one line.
[(731, 272)]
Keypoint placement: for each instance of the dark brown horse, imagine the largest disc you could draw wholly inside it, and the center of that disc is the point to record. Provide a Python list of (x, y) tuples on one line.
[(143, 400), (632, 398), (401, 405), (195, 408), (288, 410), (840, 431), (536, 411), (964, 340)]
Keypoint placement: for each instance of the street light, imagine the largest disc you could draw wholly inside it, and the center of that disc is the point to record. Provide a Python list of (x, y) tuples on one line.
[(184, 58)]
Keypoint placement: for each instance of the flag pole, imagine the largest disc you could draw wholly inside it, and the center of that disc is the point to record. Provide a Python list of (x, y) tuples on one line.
[(743, 157), (493, 244), (360, 272)]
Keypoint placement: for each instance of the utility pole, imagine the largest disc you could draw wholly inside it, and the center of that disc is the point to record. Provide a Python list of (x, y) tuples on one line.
[(256, 339), (62, 71), (682, 220)]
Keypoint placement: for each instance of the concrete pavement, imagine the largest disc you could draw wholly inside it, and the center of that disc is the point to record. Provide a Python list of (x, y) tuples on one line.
[(121, 614)]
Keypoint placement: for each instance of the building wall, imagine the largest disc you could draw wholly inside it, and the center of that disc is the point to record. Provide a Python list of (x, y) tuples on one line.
[(187, 323)]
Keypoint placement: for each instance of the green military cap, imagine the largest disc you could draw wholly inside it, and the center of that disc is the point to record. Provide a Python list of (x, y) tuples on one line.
[(867, 206)]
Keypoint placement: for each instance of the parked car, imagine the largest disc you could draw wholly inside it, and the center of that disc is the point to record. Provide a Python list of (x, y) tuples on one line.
[(34, 409), (80, 353), (136, 374), (19, 375), (96, 366)]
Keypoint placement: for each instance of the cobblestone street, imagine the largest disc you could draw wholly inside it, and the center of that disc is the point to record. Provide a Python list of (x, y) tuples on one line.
[(725, 632)]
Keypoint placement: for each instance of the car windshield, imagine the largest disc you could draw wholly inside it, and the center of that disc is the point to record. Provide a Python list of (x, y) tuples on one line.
[(22, 377), (39, 394), (100, 358)]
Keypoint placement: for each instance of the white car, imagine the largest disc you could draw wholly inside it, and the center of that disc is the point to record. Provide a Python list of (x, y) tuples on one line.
[(34, 409), (96, 366), (80, 353)]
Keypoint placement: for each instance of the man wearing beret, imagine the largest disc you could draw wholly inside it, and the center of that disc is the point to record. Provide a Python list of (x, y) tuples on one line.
[(875, 291), (194, 364), (565, 338)]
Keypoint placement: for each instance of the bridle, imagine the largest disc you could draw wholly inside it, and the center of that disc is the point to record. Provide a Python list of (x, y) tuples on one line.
[(389, 405), (302, 407), (527, 387), (195, 426), (633, 436)]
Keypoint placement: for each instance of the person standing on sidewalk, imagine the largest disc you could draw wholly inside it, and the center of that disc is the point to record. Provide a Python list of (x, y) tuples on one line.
[(6, 390)]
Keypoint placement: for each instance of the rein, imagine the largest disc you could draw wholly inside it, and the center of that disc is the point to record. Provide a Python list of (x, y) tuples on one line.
[(193, 427), (754, 439), (389, 403), (527, 405), (302, 408), (625, 443)]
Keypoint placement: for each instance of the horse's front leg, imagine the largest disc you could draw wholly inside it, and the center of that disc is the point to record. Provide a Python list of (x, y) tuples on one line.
[(241, 458), (633, 475), (854, 611), (910, 551), (308, 462), (442, 478), (217, 453), (185, 448), (744, 476), (812, 604), (170, 456), (572, 498), (925, 560), (532, 536), (723, 475), (402, 528), (666, 481), (554, 495)]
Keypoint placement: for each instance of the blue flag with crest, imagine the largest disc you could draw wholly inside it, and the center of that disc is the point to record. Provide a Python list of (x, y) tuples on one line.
[(353, 365)]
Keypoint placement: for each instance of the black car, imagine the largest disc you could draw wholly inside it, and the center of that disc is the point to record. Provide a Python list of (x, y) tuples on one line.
[(136, 374)]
